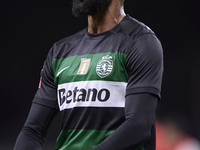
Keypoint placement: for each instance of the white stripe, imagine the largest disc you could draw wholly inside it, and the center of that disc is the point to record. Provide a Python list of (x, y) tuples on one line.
[(116, 90)]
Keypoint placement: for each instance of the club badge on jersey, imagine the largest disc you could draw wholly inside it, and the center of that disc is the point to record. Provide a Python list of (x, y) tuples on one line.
[(104, 66)]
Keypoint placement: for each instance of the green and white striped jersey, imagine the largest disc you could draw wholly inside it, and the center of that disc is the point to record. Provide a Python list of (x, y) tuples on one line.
[(87, 76)]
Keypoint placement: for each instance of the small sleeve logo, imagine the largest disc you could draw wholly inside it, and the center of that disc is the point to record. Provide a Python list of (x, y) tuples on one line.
[(104, 66), (40, 83)]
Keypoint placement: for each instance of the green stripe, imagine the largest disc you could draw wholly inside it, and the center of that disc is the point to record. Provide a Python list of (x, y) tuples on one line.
[(118, 73), (84, 139), (140, 147), (80, 139)]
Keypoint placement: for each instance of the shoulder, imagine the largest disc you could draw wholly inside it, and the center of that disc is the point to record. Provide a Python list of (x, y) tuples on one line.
[(146, 48), (134, 28), (66, 44), (142, 40), (70, 39)]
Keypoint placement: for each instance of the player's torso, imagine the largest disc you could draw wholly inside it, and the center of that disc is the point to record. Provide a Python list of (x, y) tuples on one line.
[(91, 80), (91, 74)]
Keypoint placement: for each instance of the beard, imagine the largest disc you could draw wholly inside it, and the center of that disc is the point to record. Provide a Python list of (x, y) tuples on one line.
[(83, 8)]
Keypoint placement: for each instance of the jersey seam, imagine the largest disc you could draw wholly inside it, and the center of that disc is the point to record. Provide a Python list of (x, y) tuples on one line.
[(144, 91)]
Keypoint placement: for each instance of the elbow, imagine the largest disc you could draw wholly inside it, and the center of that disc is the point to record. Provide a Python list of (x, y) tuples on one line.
[(34, 131)]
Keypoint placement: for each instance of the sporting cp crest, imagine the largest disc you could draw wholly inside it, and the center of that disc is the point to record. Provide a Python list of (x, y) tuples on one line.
[(104, 66)]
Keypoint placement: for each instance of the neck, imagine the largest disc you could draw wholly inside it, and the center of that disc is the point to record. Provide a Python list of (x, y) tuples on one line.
[(107, 18)]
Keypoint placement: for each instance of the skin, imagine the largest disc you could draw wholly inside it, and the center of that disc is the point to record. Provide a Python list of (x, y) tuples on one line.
[(107, 18)]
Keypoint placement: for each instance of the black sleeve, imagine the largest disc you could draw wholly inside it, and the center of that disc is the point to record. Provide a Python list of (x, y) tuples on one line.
[(33, 133), (47, 91), (144, 65), (140, 117)]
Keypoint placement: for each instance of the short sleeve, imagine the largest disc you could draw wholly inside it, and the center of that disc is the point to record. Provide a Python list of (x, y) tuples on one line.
[(144, 65), (47, 90)]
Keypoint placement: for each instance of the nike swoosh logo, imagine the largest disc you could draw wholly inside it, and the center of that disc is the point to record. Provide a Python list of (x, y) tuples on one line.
[(62, 70)]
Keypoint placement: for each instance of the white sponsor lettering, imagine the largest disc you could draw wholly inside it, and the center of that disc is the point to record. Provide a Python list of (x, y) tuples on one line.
[(91, 94)]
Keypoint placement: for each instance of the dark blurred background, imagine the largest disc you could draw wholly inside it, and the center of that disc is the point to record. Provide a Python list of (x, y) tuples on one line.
[(29, 28)]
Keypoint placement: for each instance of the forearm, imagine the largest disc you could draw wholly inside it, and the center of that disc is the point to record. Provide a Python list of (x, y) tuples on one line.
[(140, 116), (126, 137), (34, 131), (28, 141)]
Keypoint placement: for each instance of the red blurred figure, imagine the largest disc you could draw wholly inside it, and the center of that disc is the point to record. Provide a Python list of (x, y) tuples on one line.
[(171, 136)]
